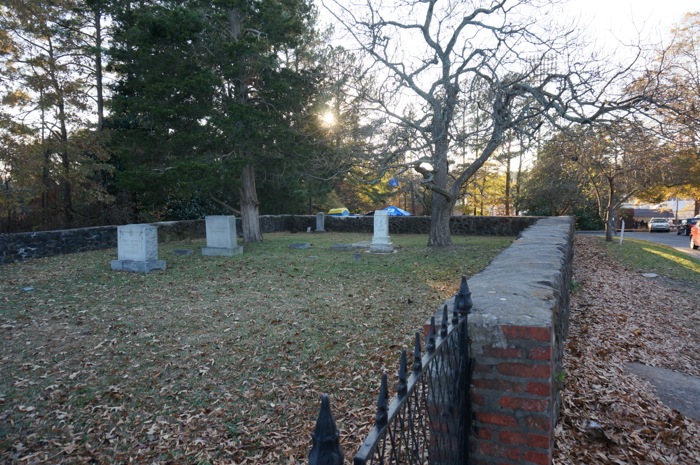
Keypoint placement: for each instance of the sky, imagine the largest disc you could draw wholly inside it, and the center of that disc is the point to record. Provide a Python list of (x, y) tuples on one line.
[(625, 20), (614, 21)]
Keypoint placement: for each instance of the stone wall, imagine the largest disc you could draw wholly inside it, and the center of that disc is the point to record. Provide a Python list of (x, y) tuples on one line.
[(517, 330), (24, 246), (459, 225)]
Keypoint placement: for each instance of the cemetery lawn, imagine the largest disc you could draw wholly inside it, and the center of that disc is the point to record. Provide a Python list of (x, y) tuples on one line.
[(216, 360)]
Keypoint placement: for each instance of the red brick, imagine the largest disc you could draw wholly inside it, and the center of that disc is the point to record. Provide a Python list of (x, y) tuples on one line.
[(514, 453), (538, 458), (499, 352), (482, 368), (496, 419), (511, 437), (539, 441), (524, 370), (539, 389), (535, 333), (540, 353), (484, 433), (499, 385), (538, 423), (488, 448), (522, 403), (476, 398), (498, 450)]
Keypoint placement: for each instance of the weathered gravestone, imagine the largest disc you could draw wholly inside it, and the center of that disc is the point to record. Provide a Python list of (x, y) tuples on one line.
[(137, 249), (221, 236), (380, 241), (320, 222)]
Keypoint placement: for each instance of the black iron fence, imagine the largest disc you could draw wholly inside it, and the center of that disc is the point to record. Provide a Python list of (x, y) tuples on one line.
[(428, 420)]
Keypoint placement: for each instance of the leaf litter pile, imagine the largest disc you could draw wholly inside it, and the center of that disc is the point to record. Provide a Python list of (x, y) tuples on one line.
[(216, 360), (609, 416)]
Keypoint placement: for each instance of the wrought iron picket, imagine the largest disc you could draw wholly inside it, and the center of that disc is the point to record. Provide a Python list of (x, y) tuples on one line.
[(326, 448), (428, 420)]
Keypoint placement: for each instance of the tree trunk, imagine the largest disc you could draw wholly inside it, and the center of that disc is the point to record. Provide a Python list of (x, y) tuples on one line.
[(610, 224), (440, 222), (508, 183), (67, 195), (98, 67), (518, 178), (610, 212), (442, 204), (46, 187), (250, 207)]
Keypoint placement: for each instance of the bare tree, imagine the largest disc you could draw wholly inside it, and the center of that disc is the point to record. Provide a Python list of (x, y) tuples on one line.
[(499, 64), (613, 162), (673, 85)]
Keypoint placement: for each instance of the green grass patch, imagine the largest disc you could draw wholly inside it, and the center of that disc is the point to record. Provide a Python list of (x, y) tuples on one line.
[(649, 257)]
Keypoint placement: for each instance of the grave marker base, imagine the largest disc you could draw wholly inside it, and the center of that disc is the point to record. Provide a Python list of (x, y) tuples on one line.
[(138, 266), (222, 251)]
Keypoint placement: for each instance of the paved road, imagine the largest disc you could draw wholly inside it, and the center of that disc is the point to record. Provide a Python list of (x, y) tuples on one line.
[(671, 239)]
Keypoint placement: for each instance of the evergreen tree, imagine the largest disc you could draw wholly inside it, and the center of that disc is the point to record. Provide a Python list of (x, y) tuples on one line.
[(207, 97), (46, 51)]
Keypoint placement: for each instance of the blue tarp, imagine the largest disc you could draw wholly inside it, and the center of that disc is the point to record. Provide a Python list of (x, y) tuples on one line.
[(396, 211)]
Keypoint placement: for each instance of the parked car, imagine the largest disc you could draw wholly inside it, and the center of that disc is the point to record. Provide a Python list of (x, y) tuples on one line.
[(695, 236), (659, 224), (686, 225)]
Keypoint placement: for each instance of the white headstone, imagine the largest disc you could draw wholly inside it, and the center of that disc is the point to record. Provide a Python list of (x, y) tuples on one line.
[(137, 249), (221, 236), (381, 242), (320, 222)]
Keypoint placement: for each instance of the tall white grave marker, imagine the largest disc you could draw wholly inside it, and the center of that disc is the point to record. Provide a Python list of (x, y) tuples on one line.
[(381, 242), (221, 236), (320, 222), (137, 249)]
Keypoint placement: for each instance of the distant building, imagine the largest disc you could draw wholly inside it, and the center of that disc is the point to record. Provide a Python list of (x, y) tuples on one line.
[(672, 209)]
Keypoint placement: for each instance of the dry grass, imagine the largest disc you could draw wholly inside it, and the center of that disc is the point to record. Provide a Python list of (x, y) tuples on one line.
[(216, 360)]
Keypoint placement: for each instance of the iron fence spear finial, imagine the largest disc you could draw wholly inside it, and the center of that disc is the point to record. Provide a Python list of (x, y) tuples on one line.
[(326, 448), (463, 299), (443, 323), (430, 345), (417, 357), (383, 403), (402, 386)]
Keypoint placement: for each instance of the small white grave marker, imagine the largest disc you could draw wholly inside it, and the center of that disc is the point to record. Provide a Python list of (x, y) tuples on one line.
[(221, 236), (137, 249)]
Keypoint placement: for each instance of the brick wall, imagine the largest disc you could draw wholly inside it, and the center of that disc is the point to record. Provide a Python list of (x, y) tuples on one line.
[(517, 329), (513, 395)]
